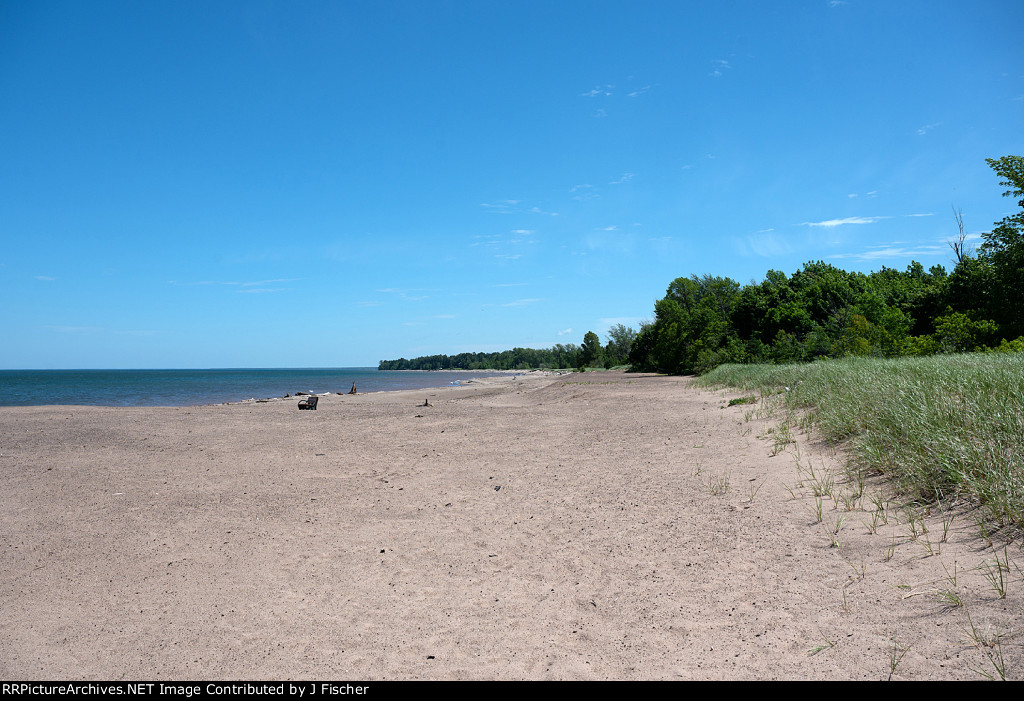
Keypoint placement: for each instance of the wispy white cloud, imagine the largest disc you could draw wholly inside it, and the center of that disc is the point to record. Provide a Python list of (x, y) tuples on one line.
[(829, 223), (584, 192), (510, 284), (510, 246), (904, 249), (45, 278), (486, 239), (888, 251), (258, 287), (624, 178), (927, 128), (720, 66), (565, 332), (521, 302), (501, 206), (369, 304), (766, 243), (608, 90), (605, 241), (832, 223), (514, 207), (405, 295), (837, 3)]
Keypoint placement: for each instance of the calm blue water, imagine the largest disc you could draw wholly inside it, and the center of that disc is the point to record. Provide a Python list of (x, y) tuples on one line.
[(193, 387)]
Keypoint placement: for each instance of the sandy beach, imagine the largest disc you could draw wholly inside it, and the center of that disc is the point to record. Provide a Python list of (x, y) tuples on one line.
[(595, 526)]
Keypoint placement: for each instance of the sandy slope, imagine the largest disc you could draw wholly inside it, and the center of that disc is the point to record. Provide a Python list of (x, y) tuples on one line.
[(542, 528)]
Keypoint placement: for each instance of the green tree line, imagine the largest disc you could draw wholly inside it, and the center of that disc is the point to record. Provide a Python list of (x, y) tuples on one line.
[(590, 354), (558, 356), (821, 311)]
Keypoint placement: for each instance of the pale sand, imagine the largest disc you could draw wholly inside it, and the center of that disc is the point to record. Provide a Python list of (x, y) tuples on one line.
[(542, 528)]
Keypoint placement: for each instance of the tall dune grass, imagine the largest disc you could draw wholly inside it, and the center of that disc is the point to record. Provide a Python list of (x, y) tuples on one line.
[(942, 427)]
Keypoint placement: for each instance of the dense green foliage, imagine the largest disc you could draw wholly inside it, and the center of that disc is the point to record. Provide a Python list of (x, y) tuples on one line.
[(824, 312), (559, 356), (943, 428), (590, 355)]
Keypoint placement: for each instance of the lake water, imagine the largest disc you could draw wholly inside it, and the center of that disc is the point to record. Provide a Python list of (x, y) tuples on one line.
[(194, 387)]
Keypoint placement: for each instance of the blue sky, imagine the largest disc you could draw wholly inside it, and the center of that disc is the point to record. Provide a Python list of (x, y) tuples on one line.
[(298, 184)]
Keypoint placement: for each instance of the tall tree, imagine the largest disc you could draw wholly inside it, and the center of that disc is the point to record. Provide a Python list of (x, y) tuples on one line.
[(590, 354), (620, 340), (1004, 248), (691, 323)]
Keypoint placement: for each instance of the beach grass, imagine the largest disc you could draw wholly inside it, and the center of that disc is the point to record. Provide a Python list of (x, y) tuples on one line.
[(944, 428)]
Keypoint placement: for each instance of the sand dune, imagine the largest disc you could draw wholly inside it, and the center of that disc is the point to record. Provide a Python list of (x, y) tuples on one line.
[(575, 527)]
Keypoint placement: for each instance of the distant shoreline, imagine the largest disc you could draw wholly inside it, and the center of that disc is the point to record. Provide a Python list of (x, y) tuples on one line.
[(212, 387)]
